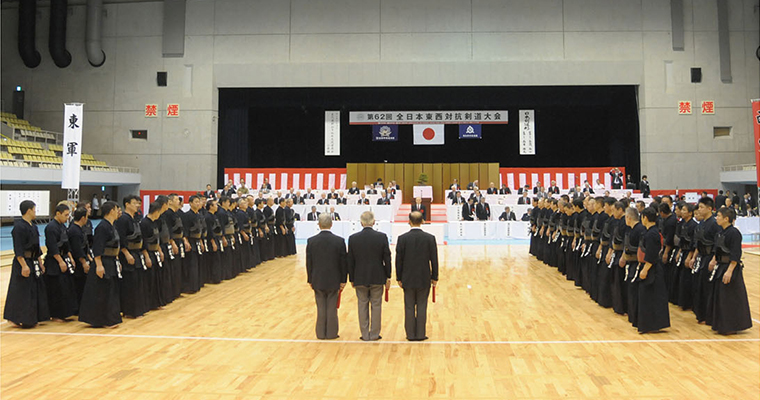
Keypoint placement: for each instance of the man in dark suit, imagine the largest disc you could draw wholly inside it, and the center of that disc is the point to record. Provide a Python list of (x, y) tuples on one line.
[(617, 178), (418, 206), (483, 210), (505, 189), (326, 271), (309, 194), (363, 200), (416, 270), (341, 199), (524, 199), (523, 189), (384, 199), (333, 215), (369, 268), (298, 199), (467, 210), (553, 188), (265, 187), (313, 215), (507, 215), (324, 200), (492, 189), (644, 186), (458, 199)]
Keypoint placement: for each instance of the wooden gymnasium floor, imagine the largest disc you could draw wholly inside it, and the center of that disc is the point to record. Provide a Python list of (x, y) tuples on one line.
[(505, 327)]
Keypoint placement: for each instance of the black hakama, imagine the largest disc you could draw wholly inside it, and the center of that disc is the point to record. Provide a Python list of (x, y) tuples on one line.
[(101, 299)]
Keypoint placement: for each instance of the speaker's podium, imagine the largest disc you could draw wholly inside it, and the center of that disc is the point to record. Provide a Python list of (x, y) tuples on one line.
[(426, 193)]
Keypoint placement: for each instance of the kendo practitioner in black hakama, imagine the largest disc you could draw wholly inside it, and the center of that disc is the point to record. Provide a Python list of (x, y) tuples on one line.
[(263, 230), (631, 262), (290, 227), (280, 243), (255, 241), (245, 238), (154, 257), (228, 238), (193, 223), (101, 300), (26, 303), (667, 225), (59, 267), (167, 244), (534, 214), (574, 253), (134, 299), (214, 238), (653, 314), (588, 255), (553, 235), (80, 250), (704, 239), (594, 258), (730, 304), (604, 269), (565, 208), (572, 221), (271, 243), (685, 240), (236, 241), (179, 244), (585, 237), (203, 266), (615, 259)]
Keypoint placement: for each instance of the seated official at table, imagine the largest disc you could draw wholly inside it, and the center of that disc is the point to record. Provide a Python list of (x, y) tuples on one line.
[(313, 215), (333, 215), (507, 215), (458, 199)]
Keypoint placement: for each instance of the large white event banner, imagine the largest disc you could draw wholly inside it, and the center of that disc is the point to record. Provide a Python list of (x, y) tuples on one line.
[(332, 133), (428, 117), (527, 133), (72, 145)]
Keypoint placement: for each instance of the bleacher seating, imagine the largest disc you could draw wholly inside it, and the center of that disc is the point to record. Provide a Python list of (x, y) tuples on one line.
[(25, 128)]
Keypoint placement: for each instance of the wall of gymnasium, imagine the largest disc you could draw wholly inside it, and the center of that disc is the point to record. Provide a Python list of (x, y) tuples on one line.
[(302, 43)]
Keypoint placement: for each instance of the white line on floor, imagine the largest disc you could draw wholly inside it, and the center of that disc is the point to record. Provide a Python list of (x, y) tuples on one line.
[(457, 342)]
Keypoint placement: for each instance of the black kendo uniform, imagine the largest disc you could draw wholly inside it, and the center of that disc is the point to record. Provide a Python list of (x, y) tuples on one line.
[(244, 225), (631, 249), (80, 249), (203, 264), (533, 248), (271, 243), (604, 269), (667, 227), (653, 313), (595, 264), (237, 251), (619, 287), (177, 263), (550, 249), (133, 295), (214, 258), (193, 223), (684, 240), (61, 290), (261, 235), (541, 238), (730, 304), (255, 241), (584, 235), (586, 255), (227, 256), (573, 232), (562, 242), (150, 234), (704, 239), (281, 245), (290, 220), (101, 304), (164, 280), (26, 303)]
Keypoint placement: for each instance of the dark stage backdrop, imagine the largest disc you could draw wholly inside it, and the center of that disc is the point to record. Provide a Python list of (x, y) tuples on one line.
[(578, 126)]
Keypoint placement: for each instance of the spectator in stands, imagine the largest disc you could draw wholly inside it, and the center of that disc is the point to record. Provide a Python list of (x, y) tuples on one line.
[(95, 206), (507, 215)]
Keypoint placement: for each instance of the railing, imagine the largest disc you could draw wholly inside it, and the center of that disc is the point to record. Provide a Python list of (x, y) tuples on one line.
[(740, 167), (50, 165)]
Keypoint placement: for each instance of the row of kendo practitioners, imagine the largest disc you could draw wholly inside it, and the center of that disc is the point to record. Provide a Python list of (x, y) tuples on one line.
[(635, 261), (130, 264)]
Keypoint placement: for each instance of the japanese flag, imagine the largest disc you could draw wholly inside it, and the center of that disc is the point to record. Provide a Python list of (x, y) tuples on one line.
[(428, 134)]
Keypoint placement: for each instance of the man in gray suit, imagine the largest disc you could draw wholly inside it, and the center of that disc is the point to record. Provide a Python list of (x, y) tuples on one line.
[(416, 270), (369, 268), (326, 273)]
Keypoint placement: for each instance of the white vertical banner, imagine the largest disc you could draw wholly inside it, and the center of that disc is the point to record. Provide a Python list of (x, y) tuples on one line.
[(307, 182), (343, 179), (273, 180), (297, 181), (584, 178), (607, 181), (511, 181), (259, 179), (320, 182), (72, 145), (594, 177), (523, 180), (284, 181), (571, 180), (146, 204), (501, 180), (332, 133), (226, 178), (547, 179), (527, 133), (236, 179), (559, 181), (331, 181), (533, 180), (249, 181)]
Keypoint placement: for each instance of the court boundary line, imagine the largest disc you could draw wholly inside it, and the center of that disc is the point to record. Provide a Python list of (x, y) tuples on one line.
[(444, 342)]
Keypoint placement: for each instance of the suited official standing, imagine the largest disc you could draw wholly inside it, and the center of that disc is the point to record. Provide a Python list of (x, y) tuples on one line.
[(326, 273), (418, 206), (416, 271), (369, 269)]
